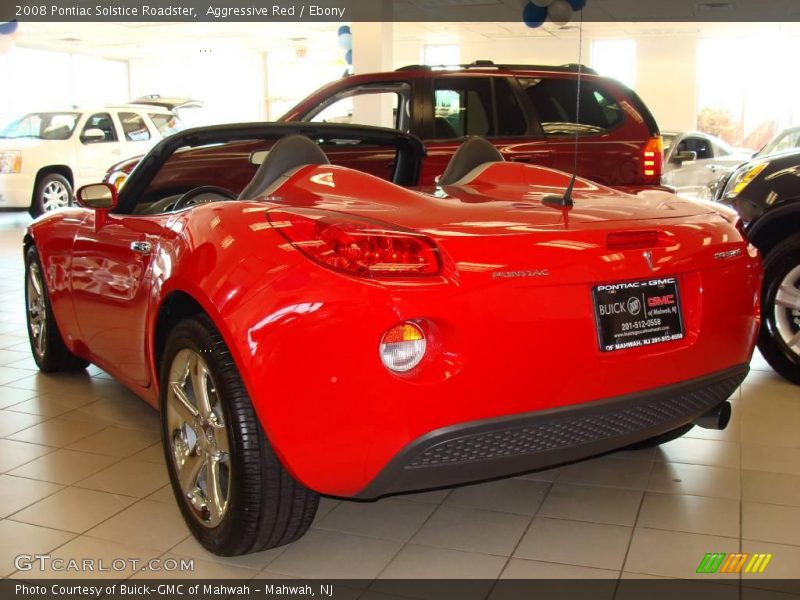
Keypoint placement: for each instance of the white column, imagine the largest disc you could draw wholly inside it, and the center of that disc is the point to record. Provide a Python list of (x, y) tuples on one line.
[(372, 52)]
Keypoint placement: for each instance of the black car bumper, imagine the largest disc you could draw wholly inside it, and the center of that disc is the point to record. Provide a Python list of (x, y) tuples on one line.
[(518, 443)]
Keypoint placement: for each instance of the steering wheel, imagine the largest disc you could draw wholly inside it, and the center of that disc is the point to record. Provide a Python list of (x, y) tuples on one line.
[(201, 195)]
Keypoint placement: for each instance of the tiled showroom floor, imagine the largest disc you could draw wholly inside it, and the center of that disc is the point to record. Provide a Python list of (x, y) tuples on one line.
[(83, 476)]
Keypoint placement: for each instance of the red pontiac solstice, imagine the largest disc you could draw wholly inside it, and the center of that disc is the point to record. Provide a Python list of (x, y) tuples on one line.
[(307, 328)]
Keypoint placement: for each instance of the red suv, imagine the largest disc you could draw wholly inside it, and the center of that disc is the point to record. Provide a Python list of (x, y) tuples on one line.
[(528, 112)]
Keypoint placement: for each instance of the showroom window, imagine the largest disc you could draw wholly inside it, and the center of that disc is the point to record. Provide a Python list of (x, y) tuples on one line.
[(134, 127), (555, 103), (466, 106), (615, 58), (441, 54)]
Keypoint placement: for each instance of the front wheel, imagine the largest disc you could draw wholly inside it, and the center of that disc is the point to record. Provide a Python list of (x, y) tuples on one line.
[(779, 339), (52, 191), (234, 493), (49, 351)]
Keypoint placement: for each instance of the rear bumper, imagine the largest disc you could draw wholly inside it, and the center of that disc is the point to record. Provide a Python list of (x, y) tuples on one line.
[(515, 444)]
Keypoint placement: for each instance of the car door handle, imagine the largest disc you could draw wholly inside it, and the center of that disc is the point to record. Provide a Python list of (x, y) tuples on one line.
[(142, 247), (712, 167)]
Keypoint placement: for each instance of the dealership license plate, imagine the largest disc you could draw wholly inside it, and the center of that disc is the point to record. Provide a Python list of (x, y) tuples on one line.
[(637, 313)]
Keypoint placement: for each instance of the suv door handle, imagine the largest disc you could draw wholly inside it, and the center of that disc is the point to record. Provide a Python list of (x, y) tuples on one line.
[(142, 247)]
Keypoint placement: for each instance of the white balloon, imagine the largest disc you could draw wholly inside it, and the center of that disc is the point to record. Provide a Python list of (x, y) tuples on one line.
[(6, 42), (560, 12), (542, 3)]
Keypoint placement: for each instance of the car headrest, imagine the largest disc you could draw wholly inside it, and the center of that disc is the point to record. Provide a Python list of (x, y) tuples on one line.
[(287, 154), (473, 153)]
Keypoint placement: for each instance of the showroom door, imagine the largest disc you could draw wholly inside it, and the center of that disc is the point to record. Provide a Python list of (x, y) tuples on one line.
[(110, 278), (100, 148)]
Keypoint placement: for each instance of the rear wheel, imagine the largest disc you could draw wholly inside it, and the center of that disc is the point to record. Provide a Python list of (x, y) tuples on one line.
[(47, 345), (779, 339), (233, 492), (52, 191)]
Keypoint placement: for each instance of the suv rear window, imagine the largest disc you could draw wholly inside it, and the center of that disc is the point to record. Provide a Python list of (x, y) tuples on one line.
[(466, 106), (167, 124), (134, 127), (555, 103)]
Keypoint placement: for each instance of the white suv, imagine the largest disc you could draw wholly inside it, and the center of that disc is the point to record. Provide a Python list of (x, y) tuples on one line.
[(44, 156)]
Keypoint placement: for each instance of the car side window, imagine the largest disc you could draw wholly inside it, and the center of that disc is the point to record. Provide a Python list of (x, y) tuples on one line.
[(380, 105), (699, 145), (554, 100), (462, 106), (134, 127), (98, 122)]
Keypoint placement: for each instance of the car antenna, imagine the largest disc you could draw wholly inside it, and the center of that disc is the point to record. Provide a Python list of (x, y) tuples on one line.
[(565, 200)]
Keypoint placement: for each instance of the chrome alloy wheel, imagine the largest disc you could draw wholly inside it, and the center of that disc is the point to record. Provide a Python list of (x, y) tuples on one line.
[(198, 438), (54, 195), (37, 309), (787, 310)]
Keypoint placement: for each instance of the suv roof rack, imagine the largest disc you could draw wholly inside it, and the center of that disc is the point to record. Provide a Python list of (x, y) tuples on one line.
[(488, 64)]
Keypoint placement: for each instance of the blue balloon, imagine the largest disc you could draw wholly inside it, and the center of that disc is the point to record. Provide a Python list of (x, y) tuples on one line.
[(8, 28), (533, 15), (343, 29), (346, 41), (348, 58), (577, 4)]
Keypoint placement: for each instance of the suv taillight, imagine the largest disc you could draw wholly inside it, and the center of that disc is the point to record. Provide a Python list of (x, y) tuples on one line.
[(356, 245), (653, 160)]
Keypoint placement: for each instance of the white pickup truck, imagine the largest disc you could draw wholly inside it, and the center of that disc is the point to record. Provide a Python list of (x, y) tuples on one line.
[(44, 156)]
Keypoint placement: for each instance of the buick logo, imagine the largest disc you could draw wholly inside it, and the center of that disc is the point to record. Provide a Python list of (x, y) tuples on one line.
[(634, 306)]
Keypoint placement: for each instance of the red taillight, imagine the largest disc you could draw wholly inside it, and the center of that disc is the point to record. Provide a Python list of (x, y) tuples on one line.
[(653, 158), (356, 245), (632, 240)]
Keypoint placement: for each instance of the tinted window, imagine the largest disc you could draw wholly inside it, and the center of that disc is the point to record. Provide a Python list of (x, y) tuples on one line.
[(699, 145), (555, 102), (510, 116), (134, 127), (101, 121), (462, 107)]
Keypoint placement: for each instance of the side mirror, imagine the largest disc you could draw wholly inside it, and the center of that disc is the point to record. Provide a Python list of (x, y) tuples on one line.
[(682, 157), (93, 135), (99, 196)]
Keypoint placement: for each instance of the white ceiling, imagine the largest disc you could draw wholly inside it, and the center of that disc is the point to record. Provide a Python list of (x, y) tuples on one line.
[(130, 40)]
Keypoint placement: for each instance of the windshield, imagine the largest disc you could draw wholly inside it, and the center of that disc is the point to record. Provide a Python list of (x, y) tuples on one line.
[(785, 140), (44, 126), (167, 124)]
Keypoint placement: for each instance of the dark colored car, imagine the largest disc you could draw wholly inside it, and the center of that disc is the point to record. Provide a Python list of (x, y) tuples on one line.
[(528, 112), (766, 194)]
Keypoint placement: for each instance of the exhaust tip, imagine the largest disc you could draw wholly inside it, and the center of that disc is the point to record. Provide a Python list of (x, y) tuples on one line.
[(717, 418)]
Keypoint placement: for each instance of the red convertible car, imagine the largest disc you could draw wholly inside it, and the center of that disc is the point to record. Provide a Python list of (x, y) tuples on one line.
[(318, 330)]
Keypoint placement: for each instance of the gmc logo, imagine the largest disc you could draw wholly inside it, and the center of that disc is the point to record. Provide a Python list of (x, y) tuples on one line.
[(655, 301)]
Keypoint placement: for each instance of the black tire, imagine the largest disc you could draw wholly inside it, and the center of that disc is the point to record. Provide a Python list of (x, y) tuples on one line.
[(662, 439), (779, 265), (43, 198), (265, 507), (48, 348)]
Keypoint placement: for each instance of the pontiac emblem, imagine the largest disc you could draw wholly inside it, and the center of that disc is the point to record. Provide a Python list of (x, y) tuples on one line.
[(648, 257)]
